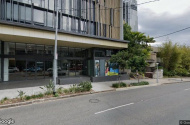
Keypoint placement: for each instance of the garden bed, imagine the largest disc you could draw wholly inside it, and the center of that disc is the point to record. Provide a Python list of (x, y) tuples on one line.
[(124, 85), (82, 88)]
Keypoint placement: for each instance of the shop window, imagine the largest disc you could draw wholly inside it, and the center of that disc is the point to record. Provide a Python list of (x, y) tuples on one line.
[(31, 49), (78, 52), (71, 52), (99, 53), (49, 50), (20, 48), (11, 48), (63, 51), (40, 49), (108, 52), (97, 68)]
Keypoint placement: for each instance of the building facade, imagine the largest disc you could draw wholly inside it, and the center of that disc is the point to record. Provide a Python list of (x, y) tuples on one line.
[(89, 32), (130, 14)]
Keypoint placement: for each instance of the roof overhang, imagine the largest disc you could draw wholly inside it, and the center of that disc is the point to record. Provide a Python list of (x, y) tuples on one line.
[(26, 34)]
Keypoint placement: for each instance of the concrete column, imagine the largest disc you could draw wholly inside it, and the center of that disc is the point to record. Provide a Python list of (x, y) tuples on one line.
[(0, 71), (121, 19), (6, 62)]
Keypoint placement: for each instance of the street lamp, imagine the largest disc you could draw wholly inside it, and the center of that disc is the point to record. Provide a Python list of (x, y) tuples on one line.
[(157, 72), (55, 52)]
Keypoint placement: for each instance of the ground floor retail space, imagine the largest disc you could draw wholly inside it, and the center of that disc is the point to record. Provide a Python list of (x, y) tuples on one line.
[(24, 61)]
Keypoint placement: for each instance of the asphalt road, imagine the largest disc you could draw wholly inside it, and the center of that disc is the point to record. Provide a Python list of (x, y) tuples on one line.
[(160, 105)]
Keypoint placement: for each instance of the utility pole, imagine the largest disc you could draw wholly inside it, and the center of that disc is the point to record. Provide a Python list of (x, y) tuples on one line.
[(157, 72), (55, 51)]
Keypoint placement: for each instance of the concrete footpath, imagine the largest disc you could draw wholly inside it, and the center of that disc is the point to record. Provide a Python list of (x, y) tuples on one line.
[(97, 86)]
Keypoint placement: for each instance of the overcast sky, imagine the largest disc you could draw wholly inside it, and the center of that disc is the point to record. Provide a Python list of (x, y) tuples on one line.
[(163, 17)]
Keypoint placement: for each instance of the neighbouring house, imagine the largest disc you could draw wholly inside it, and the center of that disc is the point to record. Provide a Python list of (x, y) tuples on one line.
[(151, 70)]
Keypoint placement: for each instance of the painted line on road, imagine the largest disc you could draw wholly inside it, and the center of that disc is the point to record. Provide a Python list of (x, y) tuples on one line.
[(187, 89), (113, 108)]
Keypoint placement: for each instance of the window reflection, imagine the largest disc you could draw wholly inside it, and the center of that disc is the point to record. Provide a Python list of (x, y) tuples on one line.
[(8, 10), (20, 48), (50, 19), (38, 16)]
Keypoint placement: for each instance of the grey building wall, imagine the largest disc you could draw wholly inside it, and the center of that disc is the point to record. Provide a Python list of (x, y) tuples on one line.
[(130, 13)]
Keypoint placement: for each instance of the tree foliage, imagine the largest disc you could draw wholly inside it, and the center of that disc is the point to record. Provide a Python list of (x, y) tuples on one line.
[(120, 58), (138, 50), (175, 59), (170, 55)]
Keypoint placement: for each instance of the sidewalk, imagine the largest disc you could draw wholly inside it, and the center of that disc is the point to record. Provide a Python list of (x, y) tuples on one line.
[(97, 87)]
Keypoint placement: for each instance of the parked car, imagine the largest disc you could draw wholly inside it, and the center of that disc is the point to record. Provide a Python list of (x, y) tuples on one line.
[(51, 69), (59, 72), (33, 69), (13, 69)]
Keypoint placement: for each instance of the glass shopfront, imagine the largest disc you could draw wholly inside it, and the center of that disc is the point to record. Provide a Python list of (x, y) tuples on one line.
[(32, 61), (23, 61)]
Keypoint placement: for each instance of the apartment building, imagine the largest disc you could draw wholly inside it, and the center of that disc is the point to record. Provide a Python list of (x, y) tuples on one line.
[(130, 13), (89, 32)]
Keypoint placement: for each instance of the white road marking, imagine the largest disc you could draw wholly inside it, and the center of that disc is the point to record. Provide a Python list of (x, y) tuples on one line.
[(187, 89), (113, 108)]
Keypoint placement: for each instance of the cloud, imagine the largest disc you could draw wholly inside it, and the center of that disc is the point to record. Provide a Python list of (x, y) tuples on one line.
[(155, 24)]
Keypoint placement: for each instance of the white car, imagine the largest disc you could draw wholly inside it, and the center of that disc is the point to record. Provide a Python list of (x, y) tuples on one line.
[(51, 69), (13, 69)]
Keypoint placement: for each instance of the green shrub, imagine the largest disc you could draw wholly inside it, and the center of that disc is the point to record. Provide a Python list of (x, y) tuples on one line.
[(85, 86), (4, 99), (28, 97), (48, 88), (66, 91), (181, 72), (119, 85), (169, 73), (140, 83), (33, 96), (56, 95), (115, 85), (21, 94), (74, 89), (60, 90), (40, 95)]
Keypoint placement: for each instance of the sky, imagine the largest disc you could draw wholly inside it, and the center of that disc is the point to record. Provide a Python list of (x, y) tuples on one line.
[(163, 17)]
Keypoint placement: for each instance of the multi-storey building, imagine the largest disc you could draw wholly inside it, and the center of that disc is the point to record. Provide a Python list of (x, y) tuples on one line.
[(130, 14), (89, 31)]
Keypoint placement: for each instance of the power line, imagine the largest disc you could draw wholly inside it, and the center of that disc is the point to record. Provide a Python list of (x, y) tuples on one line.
[(140, 3), (172, 33), (106, 8)]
